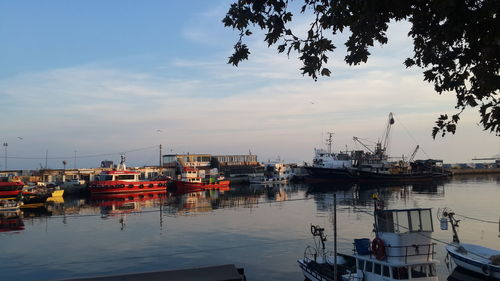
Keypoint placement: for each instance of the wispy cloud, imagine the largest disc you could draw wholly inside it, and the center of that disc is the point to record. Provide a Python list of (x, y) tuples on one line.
[(202, 104)]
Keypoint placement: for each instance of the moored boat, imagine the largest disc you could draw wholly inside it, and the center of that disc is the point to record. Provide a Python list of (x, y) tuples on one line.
[(9, 205), (10, 187), (193, 180), (472, 257), (124, 181), (330, 166), (274, 172), (402, 250), (372, 165)]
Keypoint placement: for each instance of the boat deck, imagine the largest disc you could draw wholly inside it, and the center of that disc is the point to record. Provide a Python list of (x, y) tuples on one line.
[(226, 272)]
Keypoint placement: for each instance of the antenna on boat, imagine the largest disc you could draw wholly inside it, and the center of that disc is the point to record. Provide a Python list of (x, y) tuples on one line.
[(447, 213), (329, 141), (122, 166)]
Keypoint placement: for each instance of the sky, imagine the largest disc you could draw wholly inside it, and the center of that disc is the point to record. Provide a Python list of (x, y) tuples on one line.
[(83, 81)]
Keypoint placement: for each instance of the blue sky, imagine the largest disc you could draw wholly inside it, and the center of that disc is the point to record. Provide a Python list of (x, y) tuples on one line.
[(105, 77)]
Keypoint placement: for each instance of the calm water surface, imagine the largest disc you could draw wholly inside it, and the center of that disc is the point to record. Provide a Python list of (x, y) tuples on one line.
[(264, 230)]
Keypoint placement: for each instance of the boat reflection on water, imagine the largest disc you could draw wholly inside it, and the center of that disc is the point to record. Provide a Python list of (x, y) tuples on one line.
[(113, 204), (11, 221), (361, 194)]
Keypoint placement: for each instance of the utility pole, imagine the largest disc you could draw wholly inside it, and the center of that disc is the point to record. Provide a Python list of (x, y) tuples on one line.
[(75, 160), (46, 157), (160, 155), (5, 145)]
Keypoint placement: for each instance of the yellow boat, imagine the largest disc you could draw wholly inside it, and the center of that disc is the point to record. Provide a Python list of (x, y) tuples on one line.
[(57, 196)]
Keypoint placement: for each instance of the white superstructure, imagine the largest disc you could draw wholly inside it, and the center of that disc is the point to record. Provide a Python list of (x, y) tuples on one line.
[(402, 250)]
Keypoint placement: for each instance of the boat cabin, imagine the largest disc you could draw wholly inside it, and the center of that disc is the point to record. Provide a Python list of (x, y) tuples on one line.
[(402, 250), (118, 176), (380, 270)]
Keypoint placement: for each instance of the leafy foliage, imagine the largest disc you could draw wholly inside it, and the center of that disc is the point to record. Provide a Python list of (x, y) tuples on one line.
[(456, 43)]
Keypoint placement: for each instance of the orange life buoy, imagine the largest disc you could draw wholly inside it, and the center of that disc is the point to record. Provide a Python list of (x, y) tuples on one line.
[(378, 249)]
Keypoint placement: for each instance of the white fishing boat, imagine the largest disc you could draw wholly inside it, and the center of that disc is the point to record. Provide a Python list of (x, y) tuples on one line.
[(329, 166), (274, 172), (402, 250), (74, 186), (9, 205), (472, 257)]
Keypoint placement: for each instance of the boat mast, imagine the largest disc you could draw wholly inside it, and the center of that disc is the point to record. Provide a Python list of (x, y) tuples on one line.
[(335, 267), (454, 225), (122, 166), (329, 141)]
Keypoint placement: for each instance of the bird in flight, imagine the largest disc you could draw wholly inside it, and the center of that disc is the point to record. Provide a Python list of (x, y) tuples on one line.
[(20, 138)]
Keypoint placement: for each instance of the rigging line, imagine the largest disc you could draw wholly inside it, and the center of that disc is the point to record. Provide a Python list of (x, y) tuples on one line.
[(476, 219), (411, 136), (81, 156)]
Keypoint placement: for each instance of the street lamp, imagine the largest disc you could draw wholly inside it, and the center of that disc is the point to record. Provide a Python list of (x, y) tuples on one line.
[(5, 145)]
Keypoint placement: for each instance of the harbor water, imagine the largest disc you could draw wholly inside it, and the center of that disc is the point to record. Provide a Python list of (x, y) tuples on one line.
[(263, 229)]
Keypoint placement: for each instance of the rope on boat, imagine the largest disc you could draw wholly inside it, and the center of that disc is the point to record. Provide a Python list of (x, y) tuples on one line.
[(476, 219)]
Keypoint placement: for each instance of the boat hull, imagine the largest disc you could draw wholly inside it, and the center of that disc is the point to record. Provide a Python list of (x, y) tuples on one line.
[(10, 189), (116, 187), (311, 274), (476, 263), (356, 176), (316, 174)]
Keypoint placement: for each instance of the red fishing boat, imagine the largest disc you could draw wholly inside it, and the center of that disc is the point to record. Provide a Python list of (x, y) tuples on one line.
[(10, 188), (193, 180), (123, 181)]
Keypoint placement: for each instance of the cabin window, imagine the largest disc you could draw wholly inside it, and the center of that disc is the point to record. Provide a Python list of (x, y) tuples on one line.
[(369, 266), (418, 271), (377, 269), (385, 271), (400, 273), (106, 177), (402, 222), (125, 177), (361, 264), (386, 222), (426, 219), (405, 221)]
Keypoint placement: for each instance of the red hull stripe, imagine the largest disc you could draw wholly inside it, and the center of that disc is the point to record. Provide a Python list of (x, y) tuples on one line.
[(196, 186), (126, 187), (8, 193)]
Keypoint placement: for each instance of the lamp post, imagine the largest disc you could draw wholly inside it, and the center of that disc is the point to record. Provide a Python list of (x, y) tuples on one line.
[(5, 145)]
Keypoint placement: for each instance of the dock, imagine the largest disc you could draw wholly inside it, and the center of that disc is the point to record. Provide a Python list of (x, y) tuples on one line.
[(227, 272)]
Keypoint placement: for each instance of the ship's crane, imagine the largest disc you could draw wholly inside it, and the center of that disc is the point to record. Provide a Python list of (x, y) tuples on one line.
[(390, 122), (358, 140), (414, 153)]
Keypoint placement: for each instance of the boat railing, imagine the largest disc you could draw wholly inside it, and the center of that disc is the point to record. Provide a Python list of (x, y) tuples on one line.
[(414, 251), (352, 277), (411, 251)]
